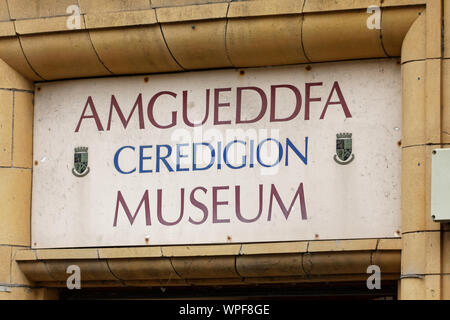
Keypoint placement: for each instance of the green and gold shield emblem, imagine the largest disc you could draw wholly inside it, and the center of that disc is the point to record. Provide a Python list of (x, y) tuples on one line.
[(80, 162), (344, 151)]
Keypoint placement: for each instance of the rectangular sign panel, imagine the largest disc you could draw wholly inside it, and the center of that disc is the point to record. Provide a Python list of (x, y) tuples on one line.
[(227, 156), (440, 185)]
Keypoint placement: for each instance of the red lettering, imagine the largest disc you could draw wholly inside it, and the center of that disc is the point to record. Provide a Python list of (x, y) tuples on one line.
[(131, 218), (238, 204), (216, 203), (298, 104), (218, 105), (341, 101), (94, 115), (185, 107), (159, 210), (151, 105), (299, 194), (239, 104), (124, 121), (199, 205), (308, 98)]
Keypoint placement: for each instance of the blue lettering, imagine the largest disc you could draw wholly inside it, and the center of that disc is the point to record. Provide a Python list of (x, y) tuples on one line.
[(116, 160), (163, 159), (179, 156), (258, 153), (194, 156), (225, 155), (304, 158), (142, 158)]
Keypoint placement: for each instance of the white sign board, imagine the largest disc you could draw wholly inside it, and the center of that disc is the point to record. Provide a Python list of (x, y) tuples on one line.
[(228, 156)]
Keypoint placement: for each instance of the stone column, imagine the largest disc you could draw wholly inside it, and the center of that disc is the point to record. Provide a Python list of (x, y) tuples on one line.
[(16, 161), (425, 250)]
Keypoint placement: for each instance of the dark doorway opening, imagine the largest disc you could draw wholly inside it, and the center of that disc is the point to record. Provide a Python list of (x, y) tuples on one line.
[(296, 291)]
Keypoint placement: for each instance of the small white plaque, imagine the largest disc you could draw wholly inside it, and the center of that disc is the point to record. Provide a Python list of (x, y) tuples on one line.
[(440, 185)]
